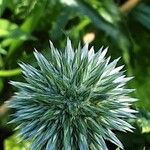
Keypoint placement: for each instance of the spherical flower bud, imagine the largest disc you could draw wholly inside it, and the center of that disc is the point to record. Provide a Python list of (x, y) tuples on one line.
[(73, 100)]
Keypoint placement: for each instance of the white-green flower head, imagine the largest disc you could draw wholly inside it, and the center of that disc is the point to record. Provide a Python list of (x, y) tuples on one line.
[(72, 101)]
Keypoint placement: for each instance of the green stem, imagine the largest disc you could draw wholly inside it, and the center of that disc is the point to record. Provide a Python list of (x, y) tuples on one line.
[(8, 73)]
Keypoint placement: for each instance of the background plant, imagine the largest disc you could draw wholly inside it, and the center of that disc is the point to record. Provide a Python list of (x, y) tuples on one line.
[(123, 26)]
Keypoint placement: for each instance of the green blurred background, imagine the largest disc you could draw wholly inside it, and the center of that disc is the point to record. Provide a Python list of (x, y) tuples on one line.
[(123, 25)]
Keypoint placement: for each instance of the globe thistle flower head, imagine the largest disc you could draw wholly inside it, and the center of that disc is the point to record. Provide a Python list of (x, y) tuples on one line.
[(72, 101)]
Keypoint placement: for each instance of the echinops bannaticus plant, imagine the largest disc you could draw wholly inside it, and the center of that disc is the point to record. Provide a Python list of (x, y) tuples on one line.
[(72, 101)]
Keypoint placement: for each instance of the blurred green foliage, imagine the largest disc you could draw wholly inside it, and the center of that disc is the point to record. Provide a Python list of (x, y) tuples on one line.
[(13, 143), (25, 24)]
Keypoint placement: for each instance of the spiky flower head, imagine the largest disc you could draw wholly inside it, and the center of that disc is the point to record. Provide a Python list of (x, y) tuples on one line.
[(72, 101)]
